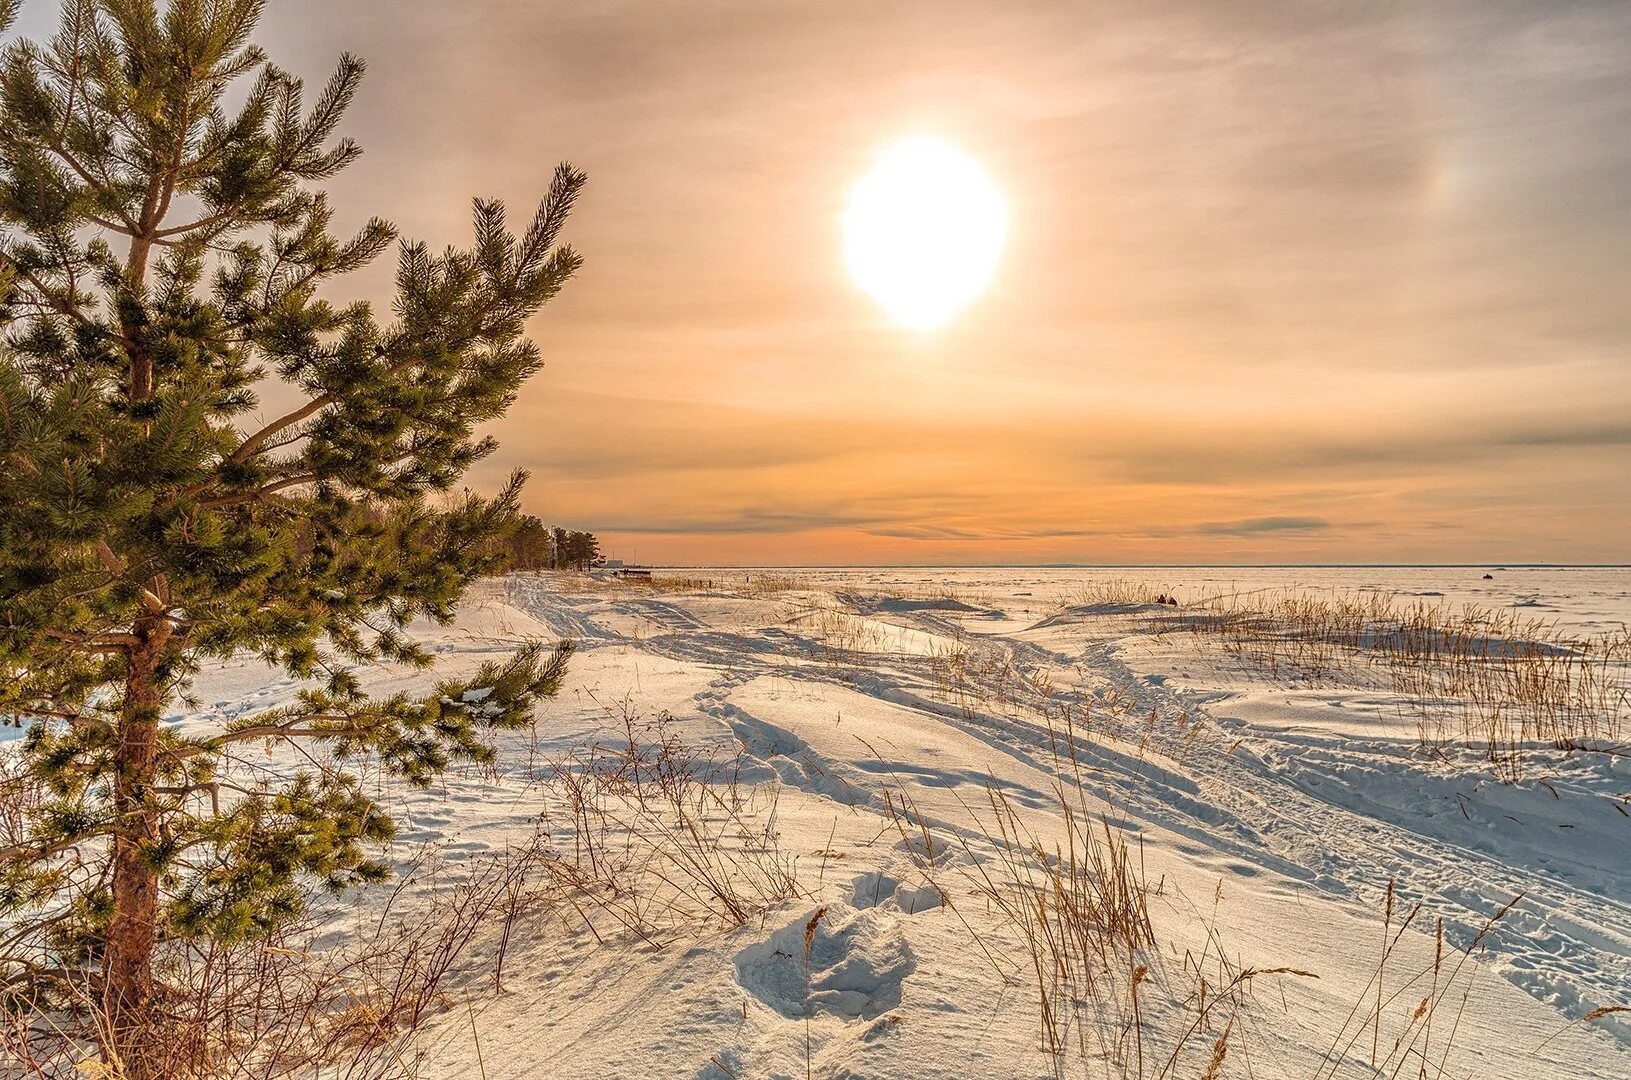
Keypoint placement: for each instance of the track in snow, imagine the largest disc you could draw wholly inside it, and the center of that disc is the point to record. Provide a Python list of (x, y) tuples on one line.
[(1257, 797)]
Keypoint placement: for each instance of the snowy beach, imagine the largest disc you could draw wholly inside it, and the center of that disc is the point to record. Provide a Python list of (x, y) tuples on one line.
[(889, 760)]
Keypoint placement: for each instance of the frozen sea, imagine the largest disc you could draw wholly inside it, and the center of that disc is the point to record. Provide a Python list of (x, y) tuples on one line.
[(1581, 598)]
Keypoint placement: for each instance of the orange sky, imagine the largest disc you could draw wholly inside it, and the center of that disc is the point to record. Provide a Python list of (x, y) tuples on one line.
[(1299, 281)]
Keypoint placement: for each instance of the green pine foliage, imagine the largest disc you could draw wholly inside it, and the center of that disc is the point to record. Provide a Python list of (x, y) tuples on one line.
[(164, 249)]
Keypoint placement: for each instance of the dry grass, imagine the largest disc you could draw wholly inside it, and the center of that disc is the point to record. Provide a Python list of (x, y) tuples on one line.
[(646, 840), (1410, 1019), (1072, 911), (1484, 678), (940, 591), (282, 1005), (656, 839), (752, 584), (1081, 906), (1116, 592), (977, 675), (839, 637), (1110, 1002)]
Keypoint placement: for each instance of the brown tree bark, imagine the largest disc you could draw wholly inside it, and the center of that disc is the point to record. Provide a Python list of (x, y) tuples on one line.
[(127, 961), (141, 365), (127, 964)]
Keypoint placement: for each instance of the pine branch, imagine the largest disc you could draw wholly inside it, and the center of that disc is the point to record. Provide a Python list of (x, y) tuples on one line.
[(47, 295), (99, 643), (102, 187), (242, 497), (38, 853), (252, 443), (223, 216)]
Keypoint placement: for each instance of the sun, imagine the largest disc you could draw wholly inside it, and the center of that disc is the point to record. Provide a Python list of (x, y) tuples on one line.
[(923, 231)]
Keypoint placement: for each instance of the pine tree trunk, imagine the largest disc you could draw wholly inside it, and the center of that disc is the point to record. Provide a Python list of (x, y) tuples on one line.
[(133, 928)]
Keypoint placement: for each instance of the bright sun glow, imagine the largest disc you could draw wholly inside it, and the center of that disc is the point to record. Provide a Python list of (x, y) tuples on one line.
[(923, 231)]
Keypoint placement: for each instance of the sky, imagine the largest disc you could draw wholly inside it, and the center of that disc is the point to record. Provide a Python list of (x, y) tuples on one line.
[(1283, 282)]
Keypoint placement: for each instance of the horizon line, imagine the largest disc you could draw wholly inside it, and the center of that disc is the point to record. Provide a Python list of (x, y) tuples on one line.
[(1491, 565)]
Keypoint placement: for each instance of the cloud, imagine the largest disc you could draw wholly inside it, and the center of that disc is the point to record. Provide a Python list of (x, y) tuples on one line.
[(1259, 526), (1218, 453), (1243, 528), (751, 520)]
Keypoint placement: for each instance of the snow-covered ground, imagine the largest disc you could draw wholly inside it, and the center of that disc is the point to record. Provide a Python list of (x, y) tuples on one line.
[(868, 719)]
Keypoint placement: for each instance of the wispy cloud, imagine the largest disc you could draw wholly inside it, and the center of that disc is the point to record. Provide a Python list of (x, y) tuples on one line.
[(1262, 525)]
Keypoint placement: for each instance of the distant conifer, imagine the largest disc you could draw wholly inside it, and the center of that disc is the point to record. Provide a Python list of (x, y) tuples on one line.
[(161, 255)]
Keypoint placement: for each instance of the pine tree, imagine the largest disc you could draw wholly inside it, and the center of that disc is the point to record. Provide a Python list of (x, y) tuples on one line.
[(585, 549), (558, 558), (161, 258), (529, 546)]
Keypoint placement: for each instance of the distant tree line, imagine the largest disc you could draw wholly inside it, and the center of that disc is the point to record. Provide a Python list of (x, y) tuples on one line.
[(532, 545)]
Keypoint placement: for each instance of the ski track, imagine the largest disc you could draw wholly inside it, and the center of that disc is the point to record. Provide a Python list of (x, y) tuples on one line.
[(1254, 798), (1563, 944)]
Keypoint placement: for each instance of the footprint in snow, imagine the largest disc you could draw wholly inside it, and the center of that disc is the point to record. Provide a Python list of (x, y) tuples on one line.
[(858, 961), (879, 890), (928, 848)]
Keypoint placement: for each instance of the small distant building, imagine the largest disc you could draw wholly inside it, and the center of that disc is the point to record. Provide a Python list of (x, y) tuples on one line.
[(612, 564)]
